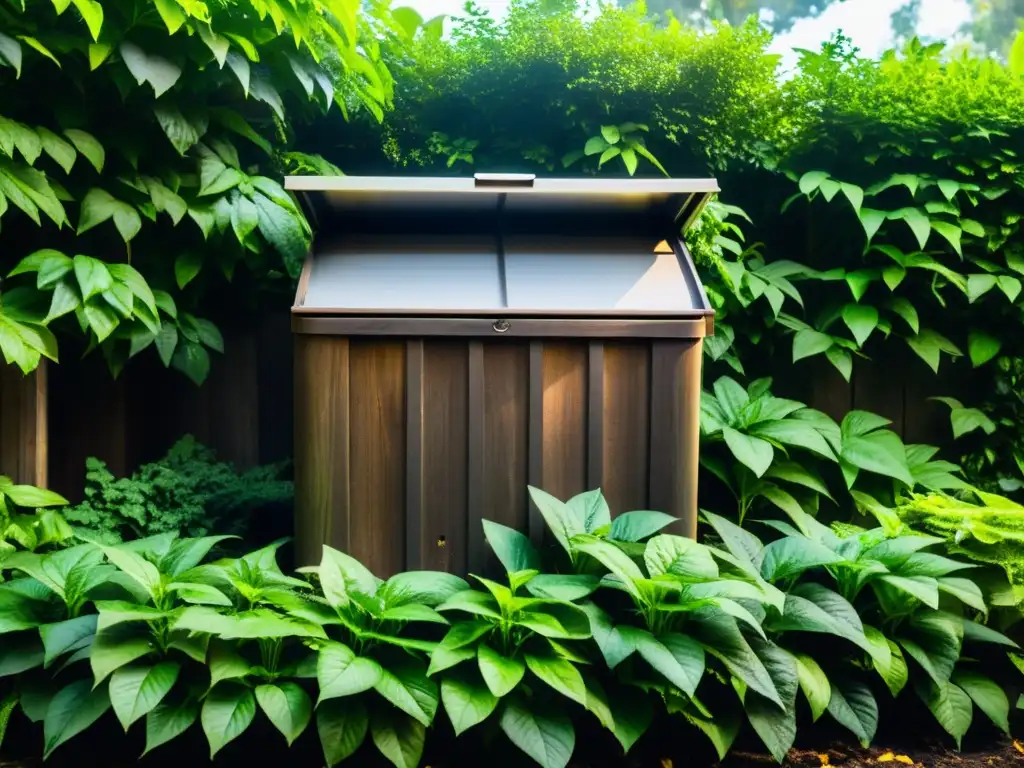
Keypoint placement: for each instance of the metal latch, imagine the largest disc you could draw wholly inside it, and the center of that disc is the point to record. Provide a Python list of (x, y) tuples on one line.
[(504, 179)]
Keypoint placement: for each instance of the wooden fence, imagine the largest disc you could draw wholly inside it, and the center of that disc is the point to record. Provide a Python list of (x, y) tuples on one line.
[(52, 421)]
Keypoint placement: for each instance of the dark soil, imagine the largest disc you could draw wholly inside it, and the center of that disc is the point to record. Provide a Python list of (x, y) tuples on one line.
[(1002, 755)]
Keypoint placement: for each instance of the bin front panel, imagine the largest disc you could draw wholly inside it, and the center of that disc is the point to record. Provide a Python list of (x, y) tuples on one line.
[(403, 446)]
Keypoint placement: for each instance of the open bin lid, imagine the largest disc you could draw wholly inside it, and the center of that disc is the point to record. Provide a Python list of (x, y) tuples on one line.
[(502, 245)]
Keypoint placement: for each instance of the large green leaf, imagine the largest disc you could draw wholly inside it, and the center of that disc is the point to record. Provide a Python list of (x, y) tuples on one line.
[(340, 672), (776, 726), (136, 689), (815, 608), (721, 637), (287, 706), (881, 452), (67, 636), (548, 738), (853, 705), (678, 556), (557, 586), (19, 652), (467, 701), (341, 574), (228, 711), (755, 453), (677, 657), (167, 721), (933, 640), (591, 509), (887, 659), (814, 684), (342, 725), (284, 230), (638, 525), (513, 549), (614, 559), (71, 711), (987, 695), (112, 649), (501, 673), (950, 704), (560, 674), (159, 72), (562, 522), (406, 685), (792, 555), (398, 737), (613, 646)]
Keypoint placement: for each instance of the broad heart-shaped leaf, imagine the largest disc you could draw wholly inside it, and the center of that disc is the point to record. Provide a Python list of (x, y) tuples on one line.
[(887, 659), (638, 525), (793, 555), (71, 711), (755, 453), (285, 230), (405, 684), (881, 452), (169, 720), (399, 738), (861, 319), (560, 674), (113, 648), (679, 659), (501, 673), (613, 646), (933, 640), (739, 541), (342, 725), (987, 695), (721, 637), (814, 683), (563, 523), (424, 587), (65, 636), (340, 574), (678, 556), (982, 347), (815, 608), (776, 726), (160, 73), (467, 700), (135, 690), (340, 672), (547, 737), (228, 711), (853, 705), (614, 559), (513, 550), (287, 706), (556, 586), (950, 704), (591, 509)]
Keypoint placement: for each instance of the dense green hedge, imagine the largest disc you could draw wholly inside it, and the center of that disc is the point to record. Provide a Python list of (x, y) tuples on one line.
[(723, 635), (882, 197)]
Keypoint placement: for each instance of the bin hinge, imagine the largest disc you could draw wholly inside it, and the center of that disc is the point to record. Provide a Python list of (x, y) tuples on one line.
[(503, 179)]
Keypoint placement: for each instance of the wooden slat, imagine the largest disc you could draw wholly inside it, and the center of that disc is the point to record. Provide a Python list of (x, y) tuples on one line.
[(675, 416), (475, 447), (377, 473), (23, 425), (595, 414), (535, 435), (508, 422), (627, 370), (233, 399), (414, 510), (321, 447), (443, 538), (565, 415)]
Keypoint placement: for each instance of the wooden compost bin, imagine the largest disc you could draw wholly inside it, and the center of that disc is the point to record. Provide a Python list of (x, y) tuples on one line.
[(457, 339)]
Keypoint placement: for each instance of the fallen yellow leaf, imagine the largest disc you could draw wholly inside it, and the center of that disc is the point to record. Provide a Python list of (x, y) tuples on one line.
[(890, 757), (666, 763), (1017, 746), (824, 760)]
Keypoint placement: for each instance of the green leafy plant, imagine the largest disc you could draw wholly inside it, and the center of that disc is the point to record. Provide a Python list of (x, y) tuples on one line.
[(29, 529), (187, 492), (624, 141)]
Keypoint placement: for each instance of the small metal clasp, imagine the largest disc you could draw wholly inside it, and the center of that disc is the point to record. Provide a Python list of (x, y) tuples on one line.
[(500, 326)]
